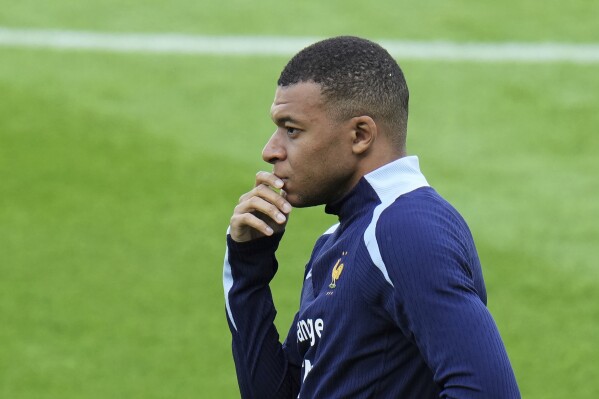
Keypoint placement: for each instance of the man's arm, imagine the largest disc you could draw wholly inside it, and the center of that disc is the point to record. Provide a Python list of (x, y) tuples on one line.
[(437, 304), (265, 368)]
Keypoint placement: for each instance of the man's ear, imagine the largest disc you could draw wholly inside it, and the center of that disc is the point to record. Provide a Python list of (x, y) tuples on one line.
[(364, 133)]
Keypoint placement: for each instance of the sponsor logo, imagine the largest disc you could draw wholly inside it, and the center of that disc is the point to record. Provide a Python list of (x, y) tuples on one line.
[(309, 330)]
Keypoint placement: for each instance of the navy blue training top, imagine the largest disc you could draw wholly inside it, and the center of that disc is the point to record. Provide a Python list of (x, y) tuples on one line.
[(393, 304)]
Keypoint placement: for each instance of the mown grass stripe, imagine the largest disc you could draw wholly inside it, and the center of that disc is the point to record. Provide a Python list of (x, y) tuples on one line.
[(286, 46)]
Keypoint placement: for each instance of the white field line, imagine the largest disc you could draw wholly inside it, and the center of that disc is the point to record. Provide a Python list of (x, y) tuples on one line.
[(287, 46)]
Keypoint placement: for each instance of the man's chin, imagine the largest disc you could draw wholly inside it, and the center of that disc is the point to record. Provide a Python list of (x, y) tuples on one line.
[(294, 200), (298, 201)]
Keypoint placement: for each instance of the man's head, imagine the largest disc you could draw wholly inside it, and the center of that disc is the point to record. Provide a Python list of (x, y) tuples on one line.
[(357, 77), (341, 109)]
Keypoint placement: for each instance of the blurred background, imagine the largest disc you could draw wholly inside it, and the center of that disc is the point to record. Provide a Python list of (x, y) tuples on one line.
[(119, 172)]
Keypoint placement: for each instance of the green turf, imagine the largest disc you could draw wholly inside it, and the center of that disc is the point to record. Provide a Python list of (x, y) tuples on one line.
[(516, 20), (118, 174)]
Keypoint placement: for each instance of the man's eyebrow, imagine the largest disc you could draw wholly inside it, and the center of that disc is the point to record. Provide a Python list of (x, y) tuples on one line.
[(284, 119)]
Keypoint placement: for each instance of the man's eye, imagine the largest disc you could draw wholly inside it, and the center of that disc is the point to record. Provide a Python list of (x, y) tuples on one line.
[(291, 131)]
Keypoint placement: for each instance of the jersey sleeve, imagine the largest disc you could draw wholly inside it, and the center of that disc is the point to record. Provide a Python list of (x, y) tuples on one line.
[(265, 367), (437, 302)]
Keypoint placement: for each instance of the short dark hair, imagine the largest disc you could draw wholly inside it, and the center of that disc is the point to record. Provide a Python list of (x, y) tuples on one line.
[(357, 77)]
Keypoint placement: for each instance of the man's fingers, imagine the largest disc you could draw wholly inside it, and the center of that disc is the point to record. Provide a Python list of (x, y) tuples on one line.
[(265, 192), (273, 197), (261, 211), (257, 204), (269, 179), (250, 220)]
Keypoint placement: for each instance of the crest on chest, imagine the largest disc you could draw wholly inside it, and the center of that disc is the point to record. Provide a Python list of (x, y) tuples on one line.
[(336, 273), (337, 270)]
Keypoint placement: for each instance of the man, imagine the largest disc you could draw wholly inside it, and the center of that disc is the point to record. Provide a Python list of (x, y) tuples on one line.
[(393, 301)]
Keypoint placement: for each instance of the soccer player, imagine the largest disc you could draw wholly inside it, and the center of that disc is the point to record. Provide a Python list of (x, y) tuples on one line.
[(393, 303)]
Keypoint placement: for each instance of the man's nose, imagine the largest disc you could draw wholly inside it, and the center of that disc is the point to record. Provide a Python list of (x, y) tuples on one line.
[(273, 150)]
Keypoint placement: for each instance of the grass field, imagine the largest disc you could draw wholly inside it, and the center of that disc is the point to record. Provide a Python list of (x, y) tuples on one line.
[(119, 172)]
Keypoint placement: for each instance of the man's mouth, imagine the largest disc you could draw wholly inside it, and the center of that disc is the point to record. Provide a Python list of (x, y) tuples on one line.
[(284, 178), (280, 177)]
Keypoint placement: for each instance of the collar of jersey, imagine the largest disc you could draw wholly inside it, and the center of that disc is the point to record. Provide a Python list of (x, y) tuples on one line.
[(382, 185)]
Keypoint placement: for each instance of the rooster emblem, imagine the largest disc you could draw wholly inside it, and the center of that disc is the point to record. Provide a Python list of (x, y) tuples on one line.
[(337, 269)]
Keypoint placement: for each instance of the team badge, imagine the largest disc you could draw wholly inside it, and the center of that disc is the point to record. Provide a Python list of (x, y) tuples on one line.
[(337, 269)]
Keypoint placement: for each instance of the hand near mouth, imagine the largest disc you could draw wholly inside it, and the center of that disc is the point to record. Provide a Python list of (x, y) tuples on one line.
[(261, 211)]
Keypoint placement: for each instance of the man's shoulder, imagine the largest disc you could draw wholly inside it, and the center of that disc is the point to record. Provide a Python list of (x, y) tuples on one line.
[(418, 210), (422, 198), (419, 235)]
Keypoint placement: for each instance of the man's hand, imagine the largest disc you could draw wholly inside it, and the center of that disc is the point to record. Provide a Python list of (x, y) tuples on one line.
[(262, 211)]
